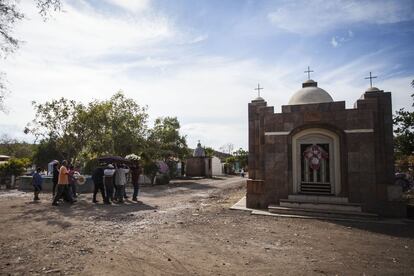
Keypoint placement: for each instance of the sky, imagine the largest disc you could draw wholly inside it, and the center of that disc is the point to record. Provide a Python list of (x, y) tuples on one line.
[(201, 60)]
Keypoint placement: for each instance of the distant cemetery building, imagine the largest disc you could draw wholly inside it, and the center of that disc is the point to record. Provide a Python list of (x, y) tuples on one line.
[(318, 155), (199, 164), (4, 159), (217, 167)]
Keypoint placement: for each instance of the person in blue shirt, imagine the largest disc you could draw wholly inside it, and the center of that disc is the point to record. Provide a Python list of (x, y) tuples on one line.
[(37, 181)]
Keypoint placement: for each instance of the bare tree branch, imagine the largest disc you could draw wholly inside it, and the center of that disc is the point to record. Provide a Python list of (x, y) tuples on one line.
[(45, 6), (9, 15)]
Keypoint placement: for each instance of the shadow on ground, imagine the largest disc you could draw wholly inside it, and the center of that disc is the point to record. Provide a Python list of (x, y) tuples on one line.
[(162, 190), (397, 229), (84, 209)]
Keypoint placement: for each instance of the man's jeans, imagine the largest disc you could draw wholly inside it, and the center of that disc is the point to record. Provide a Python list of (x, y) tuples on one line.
[(73, 189), (63, 191), (120, 190), (136, 190)]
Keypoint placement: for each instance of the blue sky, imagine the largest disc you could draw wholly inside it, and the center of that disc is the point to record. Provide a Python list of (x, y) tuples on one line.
[(200, 60)]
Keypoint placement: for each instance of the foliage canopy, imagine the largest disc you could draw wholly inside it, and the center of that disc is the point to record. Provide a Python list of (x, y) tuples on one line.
[(404, 130), (66, 129)]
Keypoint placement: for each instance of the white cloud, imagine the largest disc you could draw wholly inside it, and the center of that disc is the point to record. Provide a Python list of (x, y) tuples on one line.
[(131, 5), (339, 40), (83, 54), (86, 33), (209, 95), (317, 16), (199, 38), (334, 42)]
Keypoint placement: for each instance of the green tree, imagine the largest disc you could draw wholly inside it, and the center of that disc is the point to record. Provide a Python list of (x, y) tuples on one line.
[(15, 166), (229, 164), (55, 121), (116, 126), (209, 151), (45, 152), (241, 156), (165, 141), (404, 130), (69, 130), (16, 148)]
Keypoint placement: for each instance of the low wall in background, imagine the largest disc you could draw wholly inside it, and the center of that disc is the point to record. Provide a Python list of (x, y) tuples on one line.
[(26, 184)]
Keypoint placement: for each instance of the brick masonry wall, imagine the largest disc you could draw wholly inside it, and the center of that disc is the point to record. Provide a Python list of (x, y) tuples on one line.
[(195, 166), (366, 159)]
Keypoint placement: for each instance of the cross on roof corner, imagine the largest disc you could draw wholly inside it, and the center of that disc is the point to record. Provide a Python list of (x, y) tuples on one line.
[(370, 78), (258, 89), (308, 71)]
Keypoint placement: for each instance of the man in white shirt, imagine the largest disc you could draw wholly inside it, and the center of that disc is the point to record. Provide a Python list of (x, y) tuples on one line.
[(120, 182), (109, 180)]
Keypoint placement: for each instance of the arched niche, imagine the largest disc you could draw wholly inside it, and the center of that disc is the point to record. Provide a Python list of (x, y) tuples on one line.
[(308, 176)]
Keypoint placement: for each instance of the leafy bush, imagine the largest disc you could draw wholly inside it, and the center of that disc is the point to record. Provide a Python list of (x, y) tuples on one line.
[(15, 166), (150, 169), (90, 166)]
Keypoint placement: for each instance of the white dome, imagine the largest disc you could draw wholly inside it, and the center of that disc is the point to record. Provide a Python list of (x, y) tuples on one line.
[(372, 89), (310, 93)]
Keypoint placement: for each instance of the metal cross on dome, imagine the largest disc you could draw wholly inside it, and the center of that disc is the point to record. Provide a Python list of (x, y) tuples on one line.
[(258, 89), (308, 71), (370, 78)]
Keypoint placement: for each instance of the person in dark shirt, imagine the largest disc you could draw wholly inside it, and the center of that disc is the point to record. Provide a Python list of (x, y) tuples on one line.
[(37, 181), (55, 177), (135, 172), (98, 178)]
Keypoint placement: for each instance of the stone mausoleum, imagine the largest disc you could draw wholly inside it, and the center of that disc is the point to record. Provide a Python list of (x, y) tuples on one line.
[(199, 165), (318, 155)]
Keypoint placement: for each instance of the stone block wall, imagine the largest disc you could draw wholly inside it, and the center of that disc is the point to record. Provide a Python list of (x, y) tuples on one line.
[(47, 185), (366, 149), (198, 166)]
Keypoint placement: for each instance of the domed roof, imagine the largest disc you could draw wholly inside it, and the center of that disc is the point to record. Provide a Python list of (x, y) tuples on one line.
[(373, 89), (258, 99), (310, 93), (199, 151)]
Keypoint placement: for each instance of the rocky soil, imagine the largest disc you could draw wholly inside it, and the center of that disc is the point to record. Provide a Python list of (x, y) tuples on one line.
[(186, 228)]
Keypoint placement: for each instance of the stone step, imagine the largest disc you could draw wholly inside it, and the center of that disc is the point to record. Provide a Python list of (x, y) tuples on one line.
[(318, 198), (276, 209), (321, 205)]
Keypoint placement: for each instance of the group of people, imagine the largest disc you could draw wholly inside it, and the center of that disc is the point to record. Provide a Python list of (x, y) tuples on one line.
[(64, 182), (109, 179)]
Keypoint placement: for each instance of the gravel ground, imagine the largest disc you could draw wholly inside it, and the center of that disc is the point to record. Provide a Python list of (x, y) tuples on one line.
[(186, 228)]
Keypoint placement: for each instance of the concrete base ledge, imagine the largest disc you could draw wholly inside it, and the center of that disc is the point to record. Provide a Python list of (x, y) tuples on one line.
[(241, 206)]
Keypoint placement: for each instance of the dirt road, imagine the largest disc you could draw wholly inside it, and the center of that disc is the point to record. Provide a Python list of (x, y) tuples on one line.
[(186, 228)]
